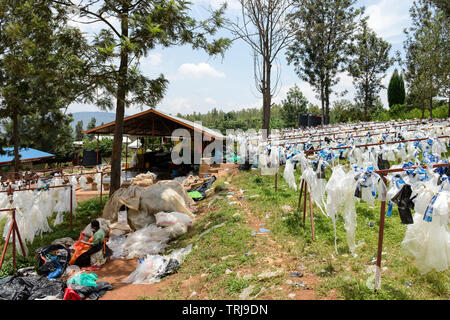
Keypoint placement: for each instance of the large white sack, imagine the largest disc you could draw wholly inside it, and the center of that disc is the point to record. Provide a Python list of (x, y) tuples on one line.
[(149, 240), (164, 219), (144, 203), (82, 181)]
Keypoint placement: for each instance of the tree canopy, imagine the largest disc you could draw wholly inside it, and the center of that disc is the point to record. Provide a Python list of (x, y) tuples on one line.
[(370, 60), (294, 104), (323, 32), (143, 26), (42, 65)]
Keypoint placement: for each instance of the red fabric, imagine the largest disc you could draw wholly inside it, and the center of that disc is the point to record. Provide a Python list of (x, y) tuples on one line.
[(70, 294)]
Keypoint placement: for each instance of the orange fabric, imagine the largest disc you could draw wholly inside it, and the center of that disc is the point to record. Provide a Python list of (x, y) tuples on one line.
[(104, 245), (42, 257), (80, 248)]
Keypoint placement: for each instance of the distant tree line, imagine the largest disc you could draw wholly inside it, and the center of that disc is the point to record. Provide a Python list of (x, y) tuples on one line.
[(46, 64)]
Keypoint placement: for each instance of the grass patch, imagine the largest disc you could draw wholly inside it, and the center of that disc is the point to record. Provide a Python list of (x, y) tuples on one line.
[(342, 272), (85, 212)]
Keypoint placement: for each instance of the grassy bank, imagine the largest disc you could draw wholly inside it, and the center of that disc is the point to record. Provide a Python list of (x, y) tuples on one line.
[(344, 272), (84, 213), (233, 257), (230, 259)]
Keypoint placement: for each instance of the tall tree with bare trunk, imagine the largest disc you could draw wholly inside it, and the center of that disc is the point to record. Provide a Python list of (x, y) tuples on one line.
[(264, 26), (370, 60), (323, 30), (130, 29)]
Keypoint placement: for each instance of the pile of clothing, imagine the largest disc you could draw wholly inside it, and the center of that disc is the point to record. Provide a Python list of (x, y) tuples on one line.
[(85, 285)]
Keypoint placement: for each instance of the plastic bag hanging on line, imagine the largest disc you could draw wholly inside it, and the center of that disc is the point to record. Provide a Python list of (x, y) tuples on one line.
[(428, 242), (438, 148), (366, 184), (300, 158), (383, 164), (97, 180), (405, 203), (396, 183), (82, 181), (316, 187), (63, 202), (334, 190), (289, 174), (349, 211)]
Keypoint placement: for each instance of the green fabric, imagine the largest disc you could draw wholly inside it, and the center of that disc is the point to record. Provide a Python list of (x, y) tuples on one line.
[(84, 279), (99, 236), (195, 195)]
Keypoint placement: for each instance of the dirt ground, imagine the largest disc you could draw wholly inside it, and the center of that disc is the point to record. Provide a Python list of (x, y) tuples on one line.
[(115, 271), (87, 194)]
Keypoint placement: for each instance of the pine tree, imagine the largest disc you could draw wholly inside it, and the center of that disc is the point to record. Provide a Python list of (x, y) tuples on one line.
[(78, 131), (396, 89), (294, 104)]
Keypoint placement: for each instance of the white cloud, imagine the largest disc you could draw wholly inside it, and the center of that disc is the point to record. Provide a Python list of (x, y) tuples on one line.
[(198, 71), (305, 89), (388, 19), (154, 59), (173, 106), (210, 101)]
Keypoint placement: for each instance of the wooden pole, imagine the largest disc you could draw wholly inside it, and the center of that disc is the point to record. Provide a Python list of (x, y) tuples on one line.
[(6, 245), (380, 237), (276, 181), (18, 234), (71, 200), (300, 196), (14, 230), (98, 137), (126, 160), (101, 188), (304, 202), (13, 222), (311, 216)]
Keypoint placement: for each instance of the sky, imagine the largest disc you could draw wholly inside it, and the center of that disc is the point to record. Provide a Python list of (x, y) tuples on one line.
[(198, 82)]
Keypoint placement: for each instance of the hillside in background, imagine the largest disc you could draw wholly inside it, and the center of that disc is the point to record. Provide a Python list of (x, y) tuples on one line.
[(100, 117)]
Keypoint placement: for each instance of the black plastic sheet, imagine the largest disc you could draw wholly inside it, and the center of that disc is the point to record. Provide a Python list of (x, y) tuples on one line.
[(30, 288), (93, 293), (404, 202)]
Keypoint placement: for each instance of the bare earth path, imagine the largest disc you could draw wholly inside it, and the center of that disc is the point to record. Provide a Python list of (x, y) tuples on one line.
[(270, 256)]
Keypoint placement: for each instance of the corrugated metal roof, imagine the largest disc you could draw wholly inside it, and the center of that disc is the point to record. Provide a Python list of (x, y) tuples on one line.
[(140, 128), (26, 154)]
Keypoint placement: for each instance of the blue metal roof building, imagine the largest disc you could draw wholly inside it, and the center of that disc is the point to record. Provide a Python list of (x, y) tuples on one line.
[(26, 155)]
